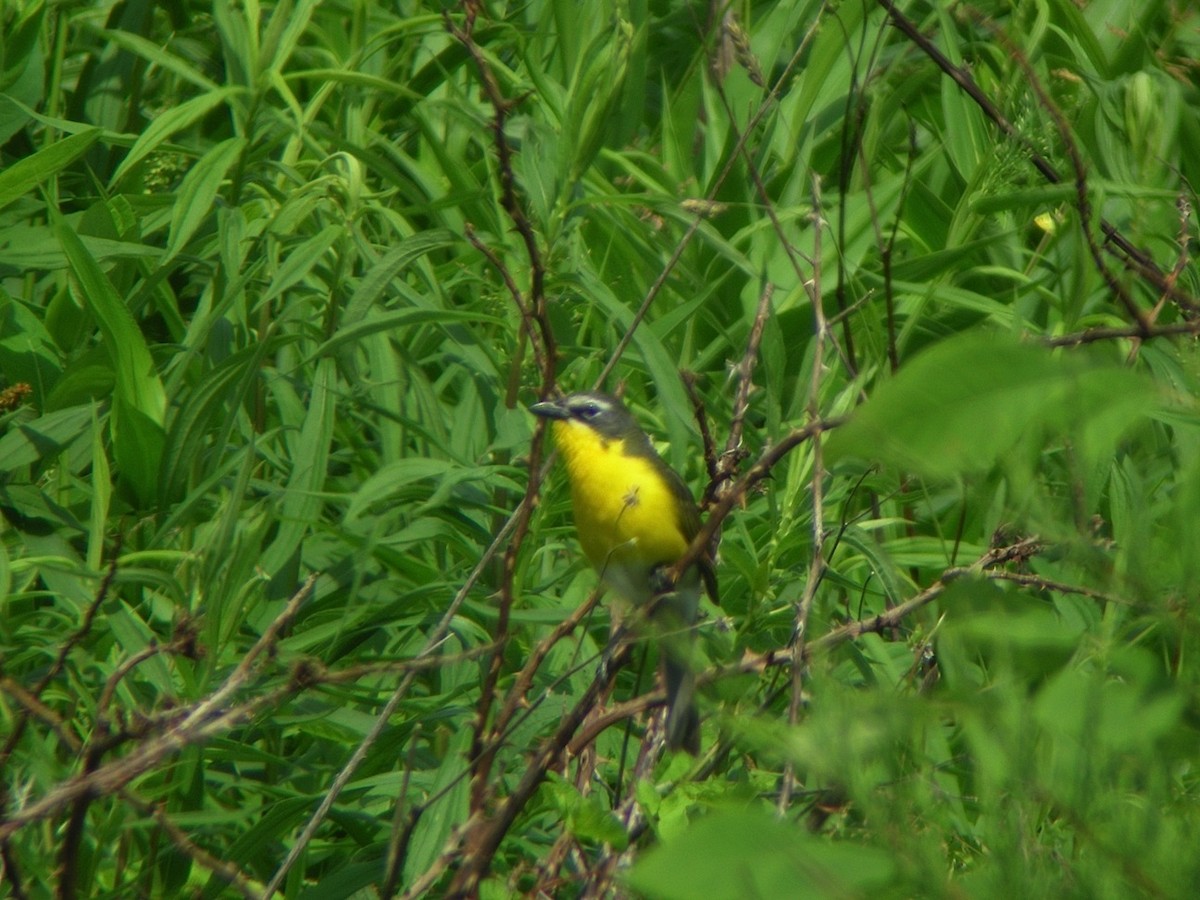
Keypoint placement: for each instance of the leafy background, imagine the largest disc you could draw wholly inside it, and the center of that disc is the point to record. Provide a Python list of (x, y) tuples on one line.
[(276, 284)]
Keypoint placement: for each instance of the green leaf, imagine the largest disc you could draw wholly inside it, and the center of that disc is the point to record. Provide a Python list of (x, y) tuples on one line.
[(301, 259), (160, 57), (26, 443), (750, 853), (139, 401), (963, 404), (177, 118), (24, 175), (302, 499), (194, 199)]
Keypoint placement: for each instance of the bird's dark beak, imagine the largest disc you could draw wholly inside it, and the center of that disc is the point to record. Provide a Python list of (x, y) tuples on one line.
[(550, 409)]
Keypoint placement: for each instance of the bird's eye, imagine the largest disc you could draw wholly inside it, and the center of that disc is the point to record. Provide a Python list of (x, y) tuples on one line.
[(591, 410)]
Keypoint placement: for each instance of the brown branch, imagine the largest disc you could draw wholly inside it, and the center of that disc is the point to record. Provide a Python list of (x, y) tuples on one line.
[(10, 873), (222, 868), (756, 473), (726, 467), (1019, 552), (700, 414), (480, 819), (74, 829), (113, 776), (745, 370), (1093, 335), (524, 680), (482, 751), (32, 706), (888, 249), (629, 812), (60, 659), (481, 842), (501, 107), (401, 835), (209, 717), (184, 643), (528, 316), (986, 566), (451, 851)]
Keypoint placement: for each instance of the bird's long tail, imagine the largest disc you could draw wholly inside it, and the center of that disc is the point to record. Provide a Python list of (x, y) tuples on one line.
[(683, 718), (675, 616)]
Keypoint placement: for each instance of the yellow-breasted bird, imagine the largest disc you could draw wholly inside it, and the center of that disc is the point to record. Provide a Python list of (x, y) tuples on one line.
[(635, 518)]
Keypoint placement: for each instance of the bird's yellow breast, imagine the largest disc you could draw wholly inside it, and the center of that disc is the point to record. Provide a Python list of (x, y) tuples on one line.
[(625, 512)]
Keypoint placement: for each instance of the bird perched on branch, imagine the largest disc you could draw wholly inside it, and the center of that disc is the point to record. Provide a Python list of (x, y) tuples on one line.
[(636, 518)]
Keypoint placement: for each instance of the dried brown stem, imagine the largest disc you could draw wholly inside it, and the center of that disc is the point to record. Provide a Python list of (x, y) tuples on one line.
[(1093, 335), (1083, 203), (483, 751), (528, 316), (524, 680), (726, 467), (816, 568)]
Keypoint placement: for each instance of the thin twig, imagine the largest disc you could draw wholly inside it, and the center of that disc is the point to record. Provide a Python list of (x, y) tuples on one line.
[(1019, 552), (202, 721), (816, 567), (756, 473), (731, 459), (700, 414), (524, 679), (481, 843), (527, 314), (1093, 335), (398, 844), (886, 252), (482, 751)]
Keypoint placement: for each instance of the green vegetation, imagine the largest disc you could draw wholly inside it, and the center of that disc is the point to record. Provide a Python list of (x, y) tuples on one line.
[(277, 282)]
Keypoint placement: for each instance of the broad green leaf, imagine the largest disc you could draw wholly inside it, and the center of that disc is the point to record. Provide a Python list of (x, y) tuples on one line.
[(27, 352), (377, 322), (374, 283), (750, 853), (101, 498), (961, 405), (159, 56), (24, 443), (450, 786)]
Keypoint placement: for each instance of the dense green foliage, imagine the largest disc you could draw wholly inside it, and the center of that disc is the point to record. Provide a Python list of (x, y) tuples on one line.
[(269, 313)]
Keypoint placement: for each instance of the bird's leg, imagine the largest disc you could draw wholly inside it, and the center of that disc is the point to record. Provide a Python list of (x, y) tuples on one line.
[(616, 637), (661, 581)]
